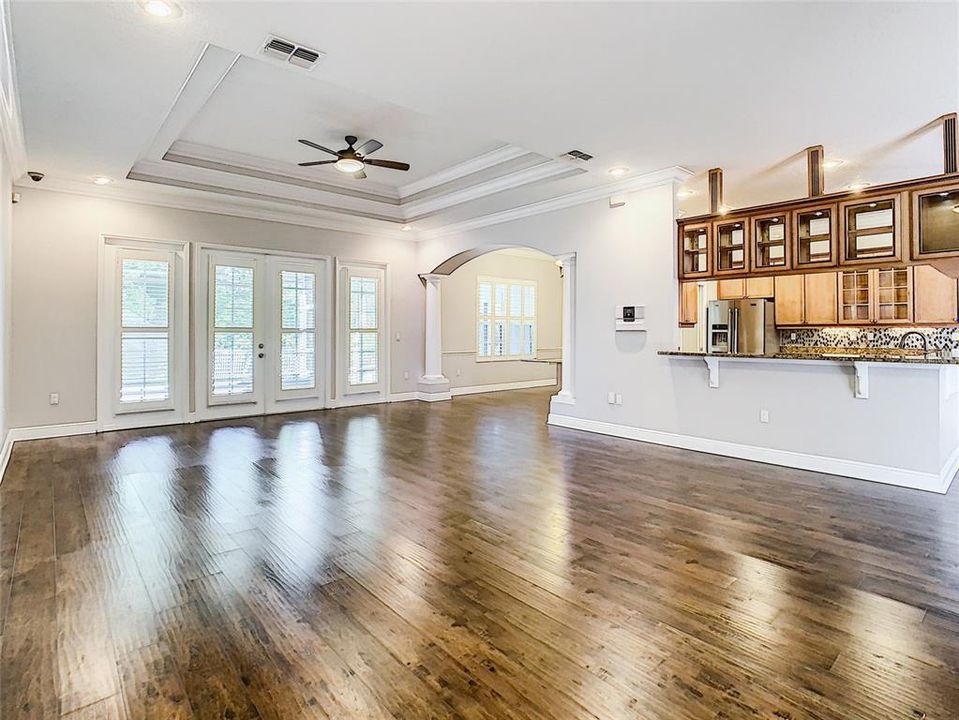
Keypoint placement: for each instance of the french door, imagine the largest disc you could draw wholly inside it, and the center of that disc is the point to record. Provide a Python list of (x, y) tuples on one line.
[(261, 334)]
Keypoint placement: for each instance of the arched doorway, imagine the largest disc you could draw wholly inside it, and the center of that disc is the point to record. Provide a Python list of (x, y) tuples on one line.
[(434, 385)]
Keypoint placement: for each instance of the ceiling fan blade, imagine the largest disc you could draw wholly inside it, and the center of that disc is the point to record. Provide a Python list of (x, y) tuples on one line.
[(312, 144), (391, 164), (317, 162), (360, 175), (369, 147)]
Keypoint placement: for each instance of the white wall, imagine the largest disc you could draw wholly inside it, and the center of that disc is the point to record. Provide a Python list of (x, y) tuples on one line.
[(54, 290), (459, 319), (627, 255), (6, 239)]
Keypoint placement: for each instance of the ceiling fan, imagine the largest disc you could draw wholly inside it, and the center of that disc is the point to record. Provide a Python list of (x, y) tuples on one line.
[(351, 160)]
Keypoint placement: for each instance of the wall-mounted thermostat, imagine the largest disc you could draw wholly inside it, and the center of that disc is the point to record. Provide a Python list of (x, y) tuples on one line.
[(630, 317)]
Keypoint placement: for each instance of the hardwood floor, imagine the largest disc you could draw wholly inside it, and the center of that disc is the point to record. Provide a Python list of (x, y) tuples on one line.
[(462, 560)]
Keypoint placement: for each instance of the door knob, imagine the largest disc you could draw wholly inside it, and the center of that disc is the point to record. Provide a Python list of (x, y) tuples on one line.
[(259, 355), (260, 346)]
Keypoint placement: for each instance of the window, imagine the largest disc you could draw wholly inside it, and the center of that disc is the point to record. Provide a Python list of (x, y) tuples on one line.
[(506, 319), (297, 330), (364, 331), (145, 341), (232, 353)]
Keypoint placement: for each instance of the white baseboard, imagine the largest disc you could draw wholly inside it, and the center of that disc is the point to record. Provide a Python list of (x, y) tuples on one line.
[(403, 397), (433, 397), (40, 432), (932, 482), (521, 385), (5, 454)]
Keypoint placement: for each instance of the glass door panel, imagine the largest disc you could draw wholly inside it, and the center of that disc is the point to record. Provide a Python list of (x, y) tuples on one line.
[(234, 339), (295, 317), (815, 237)]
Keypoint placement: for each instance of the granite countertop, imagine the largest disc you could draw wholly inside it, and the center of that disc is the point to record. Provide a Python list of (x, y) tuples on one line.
[(887, 355)]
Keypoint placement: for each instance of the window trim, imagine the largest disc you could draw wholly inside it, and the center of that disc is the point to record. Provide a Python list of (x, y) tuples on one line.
[(493, 318)]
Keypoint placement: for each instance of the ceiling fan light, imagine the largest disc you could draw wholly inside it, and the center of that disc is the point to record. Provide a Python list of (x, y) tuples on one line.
[(348, 165)]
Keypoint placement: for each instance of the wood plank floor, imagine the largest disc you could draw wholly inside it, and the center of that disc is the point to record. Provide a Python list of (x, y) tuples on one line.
[(462, 560)]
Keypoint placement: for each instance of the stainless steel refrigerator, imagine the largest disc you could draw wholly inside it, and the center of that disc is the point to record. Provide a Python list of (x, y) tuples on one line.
[(746, 327)]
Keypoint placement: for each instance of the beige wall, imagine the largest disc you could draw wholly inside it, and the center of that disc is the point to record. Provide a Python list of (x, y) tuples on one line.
[(54, 290), (459, 319)]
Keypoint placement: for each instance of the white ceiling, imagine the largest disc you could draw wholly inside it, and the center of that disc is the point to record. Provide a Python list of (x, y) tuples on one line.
[(743, 86)]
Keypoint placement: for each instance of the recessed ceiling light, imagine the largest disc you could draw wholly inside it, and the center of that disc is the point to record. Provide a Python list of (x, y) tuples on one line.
[(723, 209), (348, 165), (858, 186), (685, 193), (101, 180), (618, 171), (165, 9), (406, 228), (830, 163)]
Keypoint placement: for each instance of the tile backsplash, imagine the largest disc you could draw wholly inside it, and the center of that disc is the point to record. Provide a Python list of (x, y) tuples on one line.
[(869, 337)]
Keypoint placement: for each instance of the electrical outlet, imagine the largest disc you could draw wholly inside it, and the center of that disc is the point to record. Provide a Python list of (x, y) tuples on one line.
[(54, 398), (406, 375), (792, 336), (764, 416), (458, 372), (611, 398), (619, 399)]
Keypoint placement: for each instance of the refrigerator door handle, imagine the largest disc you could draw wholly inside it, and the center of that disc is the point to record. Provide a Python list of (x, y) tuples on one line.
[(734, 330)]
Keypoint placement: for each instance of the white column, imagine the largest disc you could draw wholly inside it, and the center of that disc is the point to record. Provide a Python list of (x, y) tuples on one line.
[(433, 385), (567, 393)]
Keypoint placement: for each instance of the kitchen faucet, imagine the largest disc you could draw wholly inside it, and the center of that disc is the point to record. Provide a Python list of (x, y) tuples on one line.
[(925, 341)]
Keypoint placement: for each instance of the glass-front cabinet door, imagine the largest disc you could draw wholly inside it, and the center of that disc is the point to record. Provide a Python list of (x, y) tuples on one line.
[(731, 246), (815, 233), (770, 242), (935, 222), (870, 229), (855, 297), (695, 256)]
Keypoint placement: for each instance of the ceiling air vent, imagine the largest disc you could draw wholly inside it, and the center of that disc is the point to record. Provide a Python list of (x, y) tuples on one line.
[(578, 155), (288, 52)]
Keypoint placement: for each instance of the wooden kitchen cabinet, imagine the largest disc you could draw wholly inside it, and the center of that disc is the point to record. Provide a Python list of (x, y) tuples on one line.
[(739, 288), (876, 296), (771, 242), (731, 289), (760, 287), (689, 303), (731, 241), (821, 301), (696, 257), (935, 296), (790, 300), (935, 222), (870, 229), (814, 230)]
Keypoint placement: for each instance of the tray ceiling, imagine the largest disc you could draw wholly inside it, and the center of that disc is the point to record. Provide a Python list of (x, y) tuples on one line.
[(188, 109)]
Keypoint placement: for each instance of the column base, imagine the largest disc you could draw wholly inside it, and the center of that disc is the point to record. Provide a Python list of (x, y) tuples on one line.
[(433, 388)]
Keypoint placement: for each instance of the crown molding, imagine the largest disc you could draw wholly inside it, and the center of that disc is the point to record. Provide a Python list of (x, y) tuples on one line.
[(11, 123), (656, 178), (547, 170), (250, 208), (467, 167)]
